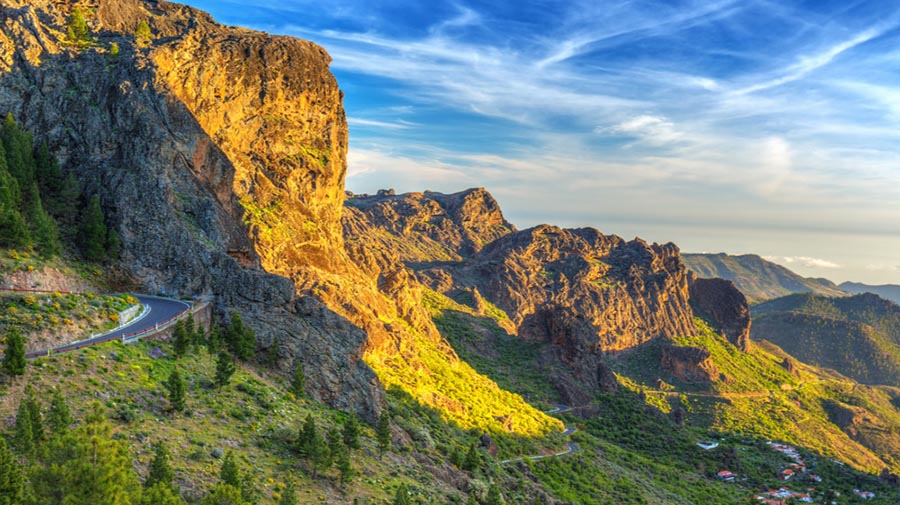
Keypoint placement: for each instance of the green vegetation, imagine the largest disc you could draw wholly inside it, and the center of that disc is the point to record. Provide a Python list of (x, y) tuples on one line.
[(298, 381), (176, 386), (224, 368), (488, 348), (240, 338), (142, 34), (858, 336), (77, 30), (51, 319), (14, 354), (37, 201)]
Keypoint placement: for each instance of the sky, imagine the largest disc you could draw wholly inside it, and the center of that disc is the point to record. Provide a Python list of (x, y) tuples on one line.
[(741, 126)]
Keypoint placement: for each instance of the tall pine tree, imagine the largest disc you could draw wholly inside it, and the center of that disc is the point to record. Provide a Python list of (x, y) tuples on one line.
[(224, 368), (176, 386), (59, 417), (87, 465), (14, 354), (160, 470), (12, 482), (92, 232), (383, 432)]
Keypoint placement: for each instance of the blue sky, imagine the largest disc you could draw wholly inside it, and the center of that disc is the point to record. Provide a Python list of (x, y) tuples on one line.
[(770, 127)]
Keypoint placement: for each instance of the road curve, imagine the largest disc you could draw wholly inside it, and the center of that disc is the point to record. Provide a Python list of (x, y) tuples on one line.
[(570, 447), (160, 310)]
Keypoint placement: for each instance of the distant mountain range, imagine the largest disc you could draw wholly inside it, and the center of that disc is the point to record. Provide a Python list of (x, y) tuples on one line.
[(887, 291), (757, 278), (859, 336)]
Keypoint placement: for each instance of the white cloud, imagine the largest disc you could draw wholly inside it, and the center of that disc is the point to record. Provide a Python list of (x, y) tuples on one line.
[(390, 125), (653, 130), (808, 262)]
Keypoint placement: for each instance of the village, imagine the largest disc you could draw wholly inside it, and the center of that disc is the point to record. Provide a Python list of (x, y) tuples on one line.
[(796, 471)]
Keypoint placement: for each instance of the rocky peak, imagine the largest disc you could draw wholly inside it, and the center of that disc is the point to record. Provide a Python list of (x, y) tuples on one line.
[(432, 226)]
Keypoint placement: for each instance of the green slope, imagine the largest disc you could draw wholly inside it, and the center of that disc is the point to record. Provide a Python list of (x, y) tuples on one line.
[(858, 336)]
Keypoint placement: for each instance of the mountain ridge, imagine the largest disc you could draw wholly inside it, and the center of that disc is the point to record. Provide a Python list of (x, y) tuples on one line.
[(759, 279)]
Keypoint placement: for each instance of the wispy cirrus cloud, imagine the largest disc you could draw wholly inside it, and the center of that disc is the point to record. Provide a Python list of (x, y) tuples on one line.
[(739, 115)]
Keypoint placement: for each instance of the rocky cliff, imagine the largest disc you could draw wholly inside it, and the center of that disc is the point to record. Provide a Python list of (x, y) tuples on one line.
[(181, 141), (219, 154)]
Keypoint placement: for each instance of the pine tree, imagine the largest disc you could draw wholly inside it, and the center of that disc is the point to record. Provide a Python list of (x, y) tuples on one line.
[(160, 470), (473, 459), (77, 29), (24, 436), (92, 232), (14, 231), (344, 465), (272, 357), (14, 354), (113, 244), (214, 338), (224, 368), (383, 432), (12, 482), (196, 332), (289, 496), (44, 230), (298, 381), (313, 446), (161, 494), (457, 458), (335, 445), (494, 497), (33, 408), (223, 494), (230, 473), (181, 338), (59, 417), (87, 465), (351, 433), (402, 497), (176, 386), (240, 338)]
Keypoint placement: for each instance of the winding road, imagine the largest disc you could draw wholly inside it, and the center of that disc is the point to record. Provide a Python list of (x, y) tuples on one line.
[(570, 447), (157, 312)]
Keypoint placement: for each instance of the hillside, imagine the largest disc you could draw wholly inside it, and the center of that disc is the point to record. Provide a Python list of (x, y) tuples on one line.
[(859, 336), (757, 278), (150, 149), (887, 291)]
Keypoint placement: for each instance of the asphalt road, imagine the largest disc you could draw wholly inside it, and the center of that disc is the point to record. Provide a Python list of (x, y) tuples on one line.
[(570, 447), (161, 310)]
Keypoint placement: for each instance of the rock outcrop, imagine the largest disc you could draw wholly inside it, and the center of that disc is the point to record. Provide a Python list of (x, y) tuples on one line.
[(725, 307), (688, 364), (429, 226)]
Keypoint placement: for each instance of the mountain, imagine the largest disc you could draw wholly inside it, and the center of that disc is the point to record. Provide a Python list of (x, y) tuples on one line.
[(218, 156), (887, 291), (231, 184), (757, 278), (859, 336), (577, 292)]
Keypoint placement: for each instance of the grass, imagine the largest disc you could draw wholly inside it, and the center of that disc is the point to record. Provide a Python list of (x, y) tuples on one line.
[(254, 414)]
